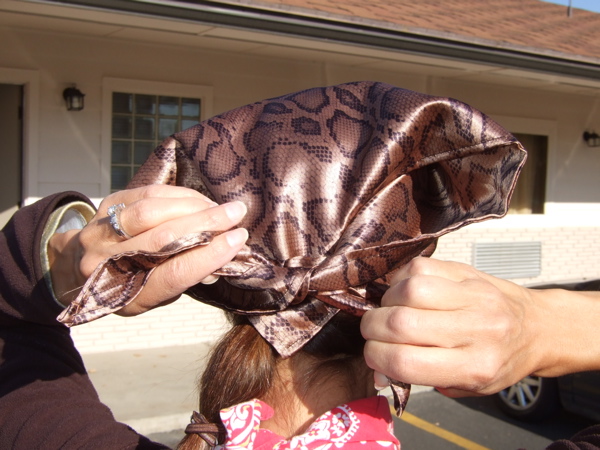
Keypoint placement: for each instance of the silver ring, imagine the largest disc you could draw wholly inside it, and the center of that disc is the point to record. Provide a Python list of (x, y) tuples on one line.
[(114, 212)]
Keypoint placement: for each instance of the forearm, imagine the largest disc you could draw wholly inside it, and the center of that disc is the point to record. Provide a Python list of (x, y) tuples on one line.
[(60, 252), (26, 295), (46, 397), (567, 338), (63, 257)]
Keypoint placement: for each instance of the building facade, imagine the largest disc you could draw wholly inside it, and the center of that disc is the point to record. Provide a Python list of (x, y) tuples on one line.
[(147, 73)]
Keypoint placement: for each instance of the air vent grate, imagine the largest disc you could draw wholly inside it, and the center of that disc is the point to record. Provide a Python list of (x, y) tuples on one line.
[(509, 259)]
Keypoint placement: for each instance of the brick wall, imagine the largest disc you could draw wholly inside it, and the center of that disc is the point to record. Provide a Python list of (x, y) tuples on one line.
[(568, 253), (184, 322)]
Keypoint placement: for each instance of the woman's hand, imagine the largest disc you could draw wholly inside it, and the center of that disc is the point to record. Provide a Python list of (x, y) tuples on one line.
[(448, 325), (154, 216)]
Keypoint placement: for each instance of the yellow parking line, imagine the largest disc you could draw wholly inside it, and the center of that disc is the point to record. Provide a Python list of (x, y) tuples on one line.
[(440, 432)]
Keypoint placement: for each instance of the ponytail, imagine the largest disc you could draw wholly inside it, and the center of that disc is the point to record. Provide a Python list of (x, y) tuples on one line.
[(241, 367)]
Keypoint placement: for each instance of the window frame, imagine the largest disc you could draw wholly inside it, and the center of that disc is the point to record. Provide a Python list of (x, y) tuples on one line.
[(541, 127), (537, 158), (145, 87)]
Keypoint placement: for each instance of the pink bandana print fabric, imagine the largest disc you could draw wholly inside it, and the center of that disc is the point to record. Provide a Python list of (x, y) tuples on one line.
[(343, 184), (362, 424)]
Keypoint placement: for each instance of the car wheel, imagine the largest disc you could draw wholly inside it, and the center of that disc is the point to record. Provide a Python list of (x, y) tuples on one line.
[(531, 399)]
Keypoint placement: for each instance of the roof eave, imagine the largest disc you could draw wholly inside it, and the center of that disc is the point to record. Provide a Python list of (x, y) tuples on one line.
[(319, 28)]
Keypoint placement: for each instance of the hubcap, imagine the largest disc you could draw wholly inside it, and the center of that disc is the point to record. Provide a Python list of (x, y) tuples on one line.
[(524, 394)]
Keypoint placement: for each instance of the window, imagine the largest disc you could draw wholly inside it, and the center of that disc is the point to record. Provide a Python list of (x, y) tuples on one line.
[(139, 123), (530, 193)]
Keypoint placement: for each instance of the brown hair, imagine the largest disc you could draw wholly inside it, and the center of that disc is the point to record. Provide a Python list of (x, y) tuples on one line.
[(243, 366)]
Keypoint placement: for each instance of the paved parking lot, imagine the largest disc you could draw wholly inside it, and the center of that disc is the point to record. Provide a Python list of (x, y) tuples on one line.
[(475, 423)]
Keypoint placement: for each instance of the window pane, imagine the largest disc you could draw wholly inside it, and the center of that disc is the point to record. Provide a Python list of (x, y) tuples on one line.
[(167, 127), (121, 127), (142, 151), (122, 102), (190, 107), (145, 104), (185, 124), (121, 152), (144, 128), (169, 106), (119, 177), (140, 122)]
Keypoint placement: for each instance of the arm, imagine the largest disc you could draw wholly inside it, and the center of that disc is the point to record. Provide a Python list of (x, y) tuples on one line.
[(448, 325), (46, 397)]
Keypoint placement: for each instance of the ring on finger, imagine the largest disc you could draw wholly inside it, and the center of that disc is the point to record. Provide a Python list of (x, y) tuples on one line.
[(114, 212)]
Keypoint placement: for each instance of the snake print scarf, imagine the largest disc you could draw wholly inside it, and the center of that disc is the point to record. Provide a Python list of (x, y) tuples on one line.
[(343, 185)]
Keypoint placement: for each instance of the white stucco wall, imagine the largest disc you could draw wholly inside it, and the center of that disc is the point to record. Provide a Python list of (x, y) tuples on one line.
[(70, 142), (64, 149)]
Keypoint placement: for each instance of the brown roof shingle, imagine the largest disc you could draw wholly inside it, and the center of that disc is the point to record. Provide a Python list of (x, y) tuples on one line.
[(533, 26)]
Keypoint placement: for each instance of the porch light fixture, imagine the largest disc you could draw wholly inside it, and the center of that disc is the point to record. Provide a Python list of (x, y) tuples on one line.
[(73, 98), (592, 139)]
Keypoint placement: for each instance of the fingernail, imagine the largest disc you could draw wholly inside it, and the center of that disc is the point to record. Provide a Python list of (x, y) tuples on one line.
[(381, 381), (236, 237), (235, 210), (211, 279)]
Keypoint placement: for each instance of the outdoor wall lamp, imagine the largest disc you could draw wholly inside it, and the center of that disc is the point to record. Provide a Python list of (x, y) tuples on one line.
[(73, 98), (592, 139)]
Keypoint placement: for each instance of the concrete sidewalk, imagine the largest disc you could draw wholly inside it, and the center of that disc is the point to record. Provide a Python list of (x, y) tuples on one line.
[(152, 390), (155, 390)]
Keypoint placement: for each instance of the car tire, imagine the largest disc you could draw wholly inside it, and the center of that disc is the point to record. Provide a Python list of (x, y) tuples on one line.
[(531, 399)]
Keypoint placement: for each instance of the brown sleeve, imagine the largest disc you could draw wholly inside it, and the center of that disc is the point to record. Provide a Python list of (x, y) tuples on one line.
[(46, 397), (588, 439)]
